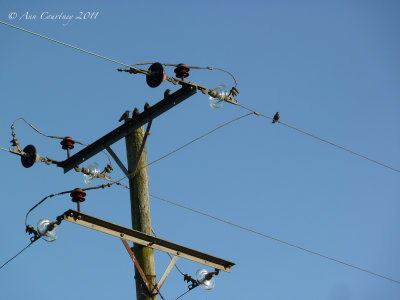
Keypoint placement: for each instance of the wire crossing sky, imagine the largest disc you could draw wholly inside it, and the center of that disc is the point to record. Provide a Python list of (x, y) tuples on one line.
[(330, 69), (273, 238), (143, 71)]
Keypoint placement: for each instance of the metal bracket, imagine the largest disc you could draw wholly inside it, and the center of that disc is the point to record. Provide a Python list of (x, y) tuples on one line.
[(140, 238), (117, 160), (157, 287), (166, 273), (137, 265), (128, 127)]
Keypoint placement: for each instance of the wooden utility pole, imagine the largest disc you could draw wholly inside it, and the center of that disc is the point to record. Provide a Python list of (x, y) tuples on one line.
[(144, 242), (140, 208)]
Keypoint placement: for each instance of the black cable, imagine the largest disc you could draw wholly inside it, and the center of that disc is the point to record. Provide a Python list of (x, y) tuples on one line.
[(161, 295), (176, 266), (73, 47), (198, 138), (170, 256), (191, 142), (102, 186), (17, 254), (275, 239), (320, 139), (48, 136), (183, 294)]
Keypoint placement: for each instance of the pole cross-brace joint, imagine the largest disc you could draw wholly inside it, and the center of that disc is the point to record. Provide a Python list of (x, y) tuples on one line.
[(156, 289), (117, 160), (138, 267), (166, 273)]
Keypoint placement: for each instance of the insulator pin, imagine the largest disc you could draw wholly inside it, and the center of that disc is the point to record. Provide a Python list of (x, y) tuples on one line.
[(67, 143), (182, 71)]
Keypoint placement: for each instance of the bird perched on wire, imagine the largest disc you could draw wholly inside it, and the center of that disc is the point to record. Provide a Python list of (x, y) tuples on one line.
[(276, 117), (124, 116)]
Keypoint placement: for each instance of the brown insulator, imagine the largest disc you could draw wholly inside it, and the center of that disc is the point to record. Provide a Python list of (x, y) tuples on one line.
[(67, 143), (182, 71), (78, 195)]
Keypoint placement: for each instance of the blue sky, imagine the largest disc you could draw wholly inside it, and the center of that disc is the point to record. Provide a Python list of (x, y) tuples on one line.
[(329, 67)]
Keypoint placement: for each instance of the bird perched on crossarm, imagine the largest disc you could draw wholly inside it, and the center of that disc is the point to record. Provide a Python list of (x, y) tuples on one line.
[(276, 117), (124, 116), (135, 112), (167, 93)]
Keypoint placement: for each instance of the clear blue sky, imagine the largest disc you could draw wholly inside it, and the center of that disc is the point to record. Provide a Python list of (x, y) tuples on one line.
[(329, 67)]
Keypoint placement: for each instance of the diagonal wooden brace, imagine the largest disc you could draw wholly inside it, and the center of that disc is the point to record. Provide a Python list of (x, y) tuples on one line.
[(137, 265), (117, 160), (166, 273)]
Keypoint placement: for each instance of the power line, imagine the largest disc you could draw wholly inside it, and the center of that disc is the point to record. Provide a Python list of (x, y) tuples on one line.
[(198, 138), (179, 205), (183, 294), (48, 136), (273, 238), (6, 150), (210, 68), (102, 186), (73, 47), (17, 254), (38, 131), (109, 59), (320, 139), (191, 142), (170, 256)]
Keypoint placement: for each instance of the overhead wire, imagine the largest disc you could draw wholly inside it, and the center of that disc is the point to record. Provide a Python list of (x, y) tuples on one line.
[(38, 131), (273, 238), (73, 47), (170, 256), (51, 136), (191, 142), (12, 258), (249, 109), (218, 219), (182, 294), (5, 150), (102, 186), (199, 138), (320, 139)]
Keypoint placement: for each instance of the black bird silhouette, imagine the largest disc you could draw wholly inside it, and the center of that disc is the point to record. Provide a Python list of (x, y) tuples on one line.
[(276, 117), (135, 112), (124, 116), (167, 93)]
